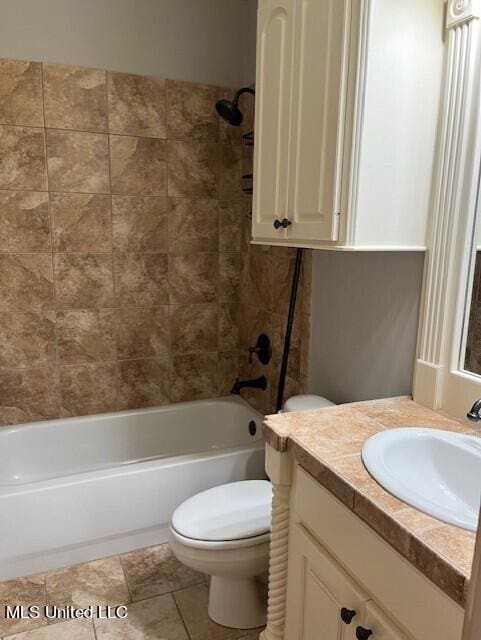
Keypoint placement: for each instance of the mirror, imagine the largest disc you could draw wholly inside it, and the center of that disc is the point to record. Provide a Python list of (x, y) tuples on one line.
[(471, 344)]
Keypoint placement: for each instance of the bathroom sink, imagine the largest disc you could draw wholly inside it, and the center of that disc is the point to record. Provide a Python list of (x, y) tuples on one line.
[(438, 472)]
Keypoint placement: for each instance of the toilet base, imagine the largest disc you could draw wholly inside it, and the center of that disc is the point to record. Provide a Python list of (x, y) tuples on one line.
[(239, 604)]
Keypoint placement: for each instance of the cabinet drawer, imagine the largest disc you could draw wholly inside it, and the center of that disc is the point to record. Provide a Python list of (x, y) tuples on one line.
[(389, 579), (381, 627)]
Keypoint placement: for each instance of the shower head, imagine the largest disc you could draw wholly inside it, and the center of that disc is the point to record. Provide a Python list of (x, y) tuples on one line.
[(230, 112), (229, 109)]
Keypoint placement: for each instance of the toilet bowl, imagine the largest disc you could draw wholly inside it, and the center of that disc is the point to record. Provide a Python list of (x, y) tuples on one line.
[(224, 532)]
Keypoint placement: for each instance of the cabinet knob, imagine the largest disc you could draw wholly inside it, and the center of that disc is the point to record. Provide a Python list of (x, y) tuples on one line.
[(362, 633), (284, 223), (347, 615)]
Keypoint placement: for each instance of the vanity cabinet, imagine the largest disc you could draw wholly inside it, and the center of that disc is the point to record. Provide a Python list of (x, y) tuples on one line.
[(347, 99), (325, 602), (382, 628), (344, 581)]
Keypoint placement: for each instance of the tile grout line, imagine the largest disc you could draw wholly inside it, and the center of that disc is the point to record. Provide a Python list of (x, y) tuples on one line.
[(169, 238), (94, 630), (58, 393), (113, 253), (106, 132), (218, 283), (122, 194), (166, 593), (126, 579), (181, 616)]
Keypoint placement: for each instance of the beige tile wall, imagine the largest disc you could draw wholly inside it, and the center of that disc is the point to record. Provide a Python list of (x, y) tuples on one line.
[(266, 290), (126, 278)]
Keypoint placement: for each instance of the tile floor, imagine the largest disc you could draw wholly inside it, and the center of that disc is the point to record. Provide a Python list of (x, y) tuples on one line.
[(166, 601)]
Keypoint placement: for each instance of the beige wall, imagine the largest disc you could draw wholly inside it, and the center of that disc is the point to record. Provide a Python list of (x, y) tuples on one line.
[(197, 40), (365, 310), (250, 42)]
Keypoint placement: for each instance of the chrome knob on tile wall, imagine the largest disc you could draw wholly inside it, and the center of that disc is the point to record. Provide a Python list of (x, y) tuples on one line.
[(284, 223)]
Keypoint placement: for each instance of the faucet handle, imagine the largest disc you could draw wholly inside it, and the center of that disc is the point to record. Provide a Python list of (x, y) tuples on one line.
[(474, 413), (262, 349)]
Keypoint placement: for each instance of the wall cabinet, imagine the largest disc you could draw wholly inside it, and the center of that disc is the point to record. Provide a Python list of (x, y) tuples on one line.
[(275, 25), (347, 99)]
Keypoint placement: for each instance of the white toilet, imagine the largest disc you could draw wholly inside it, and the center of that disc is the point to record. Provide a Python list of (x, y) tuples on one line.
[(224, 532), (306, 402)]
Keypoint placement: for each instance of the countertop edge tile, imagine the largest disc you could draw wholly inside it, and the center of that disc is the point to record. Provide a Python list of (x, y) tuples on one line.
[(382, 522), (334, 483), (275, 441), (438, 569)]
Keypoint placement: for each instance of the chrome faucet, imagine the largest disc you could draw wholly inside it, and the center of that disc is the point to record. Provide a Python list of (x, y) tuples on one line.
[(256, 383), (473, 413)]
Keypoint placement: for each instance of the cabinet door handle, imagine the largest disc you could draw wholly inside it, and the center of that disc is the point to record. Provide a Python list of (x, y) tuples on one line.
[(347, 615), (362, 633), (284, 223)]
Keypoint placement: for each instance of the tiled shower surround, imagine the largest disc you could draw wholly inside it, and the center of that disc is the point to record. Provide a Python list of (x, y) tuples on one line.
[(126, 275)]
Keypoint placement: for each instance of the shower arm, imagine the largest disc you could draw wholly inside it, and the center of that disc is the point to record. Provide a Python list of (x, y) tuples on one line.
[(240, 92)]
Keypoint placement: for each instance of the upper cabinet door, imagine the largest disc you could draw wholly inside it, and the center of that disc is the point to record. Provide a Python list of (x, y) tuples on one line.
[(319, 94), (343, 154), (275, 25)]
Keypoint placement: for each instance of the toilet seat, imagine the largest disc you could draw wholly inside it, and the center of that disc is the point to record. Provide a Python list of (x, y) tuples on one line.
[(234, 515), (207, 545)]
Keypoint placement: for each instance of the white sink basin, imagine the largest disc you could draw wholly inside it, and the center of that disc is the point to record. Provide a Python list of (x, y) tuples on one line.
[(437, 472)]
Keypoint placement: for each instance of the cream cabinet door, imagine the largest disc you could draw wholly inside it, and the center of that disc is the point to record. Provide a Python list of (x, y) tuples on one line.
[(378, 625), (275, 25), (319, 97), (319, 594)]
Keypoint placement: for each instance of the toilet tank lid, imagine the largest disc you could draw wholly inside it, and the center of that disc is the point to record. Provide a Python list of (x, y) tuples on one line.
[(232, 511), (306, 402)]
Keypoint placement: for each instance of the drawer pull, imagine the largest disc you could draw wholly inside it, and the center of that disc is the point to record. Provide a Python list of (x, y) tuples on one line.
[(347, 615), (362, 633), (284, 223)]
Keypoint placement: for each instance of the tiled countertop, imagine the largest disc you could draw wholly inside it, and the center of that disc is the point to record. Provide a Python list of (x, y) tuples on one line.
[(327, 443)]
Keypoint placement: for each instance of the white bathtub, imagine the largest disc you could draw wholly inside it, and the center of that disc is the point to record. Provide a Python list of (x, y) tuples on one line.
[(77, 489)]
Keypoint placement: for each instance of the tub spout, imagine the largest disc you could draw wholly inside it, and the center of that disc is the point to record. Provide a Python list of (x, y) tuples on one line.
[(256, 383)]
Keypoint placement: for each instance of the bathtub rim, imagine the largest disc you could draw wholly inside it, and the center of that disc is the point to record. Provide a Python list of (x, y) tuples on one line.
[(70, 420), (141, 466), (131, 466)]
